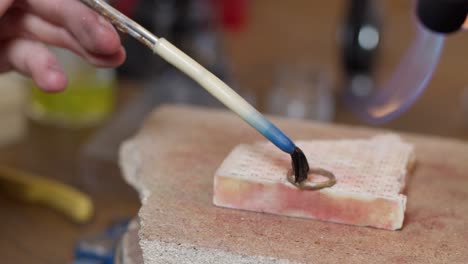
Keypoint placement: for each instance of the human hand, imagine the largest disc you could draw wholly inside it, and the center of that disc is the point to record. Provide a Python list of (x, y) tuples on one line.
[(26, 26)]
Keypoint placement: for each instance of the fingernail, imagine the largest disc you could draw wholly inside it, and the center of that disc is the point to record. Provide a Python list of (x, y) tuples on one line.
[(106, 24), (56, 68), (55, 80)]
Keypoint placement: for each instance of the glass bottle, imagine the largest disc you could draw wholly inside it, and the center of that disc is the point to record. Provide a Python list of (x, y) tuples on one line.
[(87, 100)]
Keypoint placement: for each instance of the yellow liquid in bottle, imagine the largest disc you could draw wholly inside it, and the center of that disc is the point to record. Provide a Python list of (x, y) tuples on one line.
[(87, 100)]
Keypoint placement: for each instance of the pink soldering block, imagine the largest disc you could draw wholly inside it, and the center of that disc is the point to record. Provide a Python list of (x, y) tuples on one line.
[(370, 177)]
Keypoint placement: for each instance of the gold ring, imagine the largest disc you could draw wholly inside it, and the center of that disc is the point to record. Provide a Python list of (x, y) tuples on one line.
[(308, 185)]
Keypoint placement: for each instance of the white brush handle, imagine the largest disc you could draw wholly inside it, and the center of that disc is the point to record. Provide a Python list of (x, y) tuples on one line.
[(206, 79)]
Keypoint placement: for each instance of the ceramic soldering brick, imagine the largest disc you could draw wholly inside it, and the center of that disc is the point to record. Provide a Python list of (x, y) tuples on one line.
[(370, 176), (171, 162)]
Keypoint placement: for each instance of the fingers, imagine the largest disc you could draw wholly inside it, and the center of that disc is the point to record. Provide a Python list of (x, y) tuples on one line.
[(17, 23), (4, 5), (112, 60), (34, 59), (93, 32)]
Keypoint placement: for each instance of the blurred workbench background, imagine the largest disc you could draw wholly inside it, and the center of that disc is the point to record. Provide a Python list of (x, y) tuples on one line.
[(276, 32), (307, 31)]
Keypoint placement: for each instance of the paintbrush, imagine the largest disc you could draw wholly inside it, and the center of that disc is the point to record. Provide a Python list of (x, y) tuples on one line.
[(209, 81)]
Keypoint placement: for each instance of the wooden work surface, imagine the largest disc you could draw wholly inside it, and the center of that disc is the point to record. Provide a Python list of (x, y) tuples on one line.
[(36, 234), (179, 149)]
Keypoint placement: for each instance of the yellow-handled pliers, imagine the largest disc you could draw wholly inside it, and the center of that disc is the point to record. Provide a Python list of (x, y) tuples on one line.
[(33, 188)]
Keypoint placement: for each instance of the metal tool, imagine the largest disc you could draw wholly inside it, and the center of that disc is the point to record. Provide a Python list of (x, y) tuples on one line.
[(35, 189), (122, 22)]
